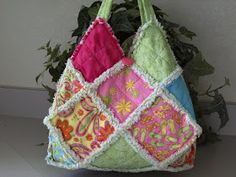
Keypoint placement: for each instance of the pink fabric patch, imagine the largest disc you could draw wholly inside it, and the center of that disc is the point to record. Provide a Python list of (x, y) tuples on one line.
[(123, 92), (99, 51), (162, 130), (127, 61)]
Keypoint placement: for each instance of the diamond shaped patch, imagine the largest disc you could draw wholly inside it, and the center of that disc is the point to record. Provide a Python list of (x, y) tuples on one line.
[(68, 86), (83, 127), (162, 130), (99, 51), (124, 92)]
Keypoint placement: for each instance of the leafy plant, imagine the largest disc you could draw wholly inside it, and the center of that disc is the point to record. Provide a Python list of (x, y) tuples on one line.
[(125, 20)]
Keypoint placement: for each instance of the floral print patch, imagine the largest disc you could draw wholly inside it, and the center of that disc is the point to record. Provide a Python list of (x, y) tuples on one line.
[(162, 130), (68, 86), (186, 159), (124, 92), (83, 127), (56, 153)]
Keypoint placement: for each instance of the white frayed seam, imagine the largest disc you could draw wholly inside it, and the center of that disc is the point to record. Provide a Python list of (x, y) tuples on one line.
[(121, 129)]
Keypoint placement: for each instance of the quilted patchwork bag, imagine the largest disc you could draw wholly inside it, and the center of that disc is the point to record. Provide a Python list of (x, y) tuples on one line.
[(122, 113)]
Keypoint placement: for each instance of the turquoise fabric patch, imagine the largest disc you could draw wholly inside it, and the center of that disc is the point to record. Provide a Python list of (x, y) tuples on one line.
[(56, 154), (179, 89)]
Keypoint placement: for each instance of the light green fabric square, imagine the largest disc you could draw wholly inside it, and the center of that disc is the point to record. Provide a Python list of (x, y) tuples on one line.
[(120, 155), (153, 54)]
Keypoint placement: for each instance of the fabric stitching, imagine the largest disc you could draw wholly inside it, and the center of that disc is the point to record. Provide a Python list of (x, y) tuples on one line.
[(118, 131)]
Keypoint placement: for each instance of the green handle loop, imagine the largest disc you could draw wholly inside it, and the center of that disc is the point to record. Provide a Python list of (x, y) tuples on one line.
[(146, 11), (145, 7), (105, 9)]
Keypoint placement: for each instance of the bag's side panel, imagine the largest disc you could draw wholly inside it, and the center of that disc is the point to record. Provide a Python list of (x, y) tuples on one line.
[(179, 89)]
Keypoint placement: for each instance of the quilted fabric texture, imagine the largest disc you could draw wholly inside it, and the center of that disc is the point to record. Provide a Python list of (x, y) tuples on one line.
[(123, 93), (179, 89), (67, 87), (162, 130), (57, 155), (120, 156), (113, 114), (84, 127), (93, 58), (153, 56)]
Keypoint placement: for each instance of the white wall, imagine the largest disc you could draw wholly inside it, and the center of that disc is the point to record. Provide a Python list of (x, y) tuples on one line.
[(27, 24), (214, 21), (24, 26)]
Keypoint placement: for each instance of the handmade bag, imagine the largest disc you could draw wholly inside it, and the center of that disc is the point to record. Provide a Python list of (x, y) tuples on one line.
[(113, 112)]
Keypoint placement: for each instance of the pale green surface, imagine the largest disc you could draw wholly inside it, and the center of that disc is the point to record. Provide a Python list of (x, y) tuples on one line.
[(153, 53), (145, 8), (120, 155), (105, 9)]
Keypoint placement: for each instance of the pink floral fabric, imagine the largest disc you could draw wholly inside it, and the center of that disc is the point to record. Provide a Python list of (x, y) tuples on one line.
[(162, 130), (98, 52), (124, 92)]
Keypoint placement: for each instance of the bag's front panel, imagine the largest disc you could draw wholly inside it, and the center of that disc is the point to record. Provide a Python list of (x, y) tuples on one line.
[(126, 118)]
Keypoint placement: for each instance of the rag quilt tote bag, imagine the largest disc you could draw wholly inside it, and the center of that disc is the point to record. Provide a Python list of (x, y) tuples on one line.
[(122, 113)]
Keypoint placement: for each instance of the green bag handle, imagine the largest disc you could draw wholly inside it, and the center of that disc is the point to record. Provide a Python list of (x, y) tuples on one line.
[(145, 7)]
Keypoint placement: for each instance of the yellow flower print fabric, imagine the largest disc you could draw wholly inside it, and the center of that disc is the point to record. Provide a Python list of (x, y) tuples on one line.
[(123, 92)]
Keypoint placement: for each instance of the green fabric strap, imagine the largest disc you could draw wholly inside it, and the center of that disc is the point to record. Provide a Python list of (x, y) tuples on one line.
[(146, 11), (145, 6), (105, 9)]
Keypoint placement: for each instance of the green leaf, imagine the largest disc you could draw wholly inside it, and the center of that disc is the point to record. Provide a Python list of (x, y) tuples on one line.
[(184, 31), (121, 23), (159, 12), (196, 68), (38, 76), (41, 144), (127, 44), (227, 81), (51, 92), (133, 13), (42, 48), (217, 105), (83, 21), (48, 44), (93, 10), (208, 136)]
